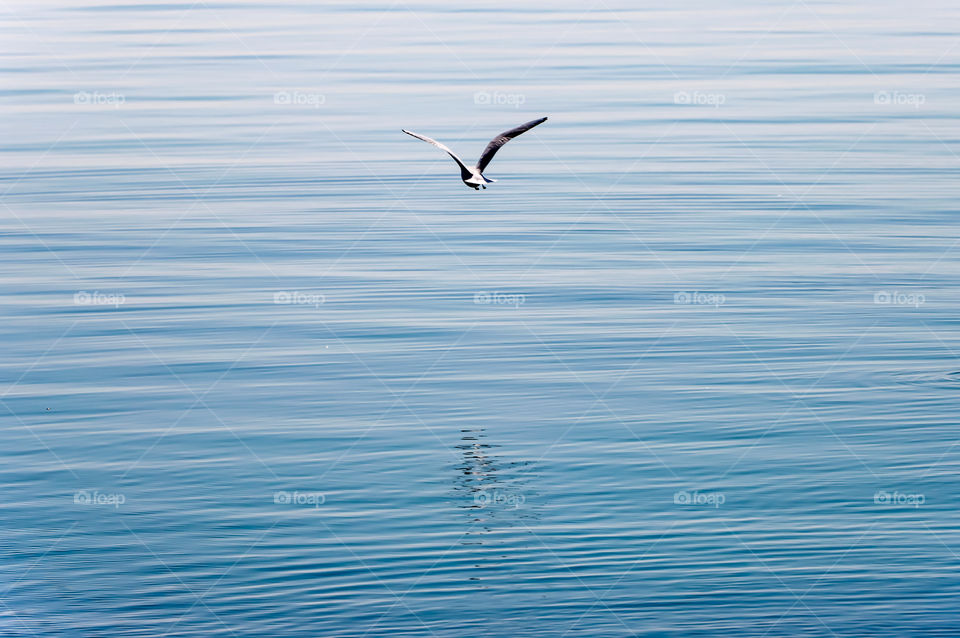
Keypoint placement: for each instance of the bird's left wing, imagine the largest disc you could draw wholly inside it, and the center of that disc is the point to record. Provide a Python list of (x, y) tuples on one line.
[(502, 139), (466, 172)]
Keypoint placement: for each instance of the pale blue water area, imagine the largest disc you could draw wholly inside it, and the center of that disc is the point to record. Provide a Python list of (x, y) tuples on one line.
[(689, 368)]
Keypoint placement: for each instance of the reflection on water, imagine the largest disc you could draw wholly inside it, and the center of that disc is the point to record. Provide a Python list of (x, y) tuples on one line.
[(496, 497), (479, 472), (494, 493)]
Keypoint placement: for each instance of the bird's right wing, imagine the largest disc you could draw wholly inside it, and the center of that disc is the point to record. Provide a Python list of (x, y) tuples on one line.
[(466, 172), (502, 139)]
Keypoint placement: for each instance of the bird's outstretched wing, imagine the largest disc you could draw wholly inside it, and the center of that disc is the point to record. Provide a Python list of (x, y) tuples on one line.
[(502, 139), (466, 172)]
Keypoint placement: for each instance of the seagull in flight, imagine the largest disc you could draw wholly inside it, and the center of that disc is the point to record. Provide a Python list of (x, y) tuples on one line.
[(472, 176)]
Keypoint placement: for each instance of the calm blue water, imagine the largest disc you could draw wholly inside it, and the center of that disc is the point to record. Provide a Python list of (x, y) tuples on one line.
[(690, 368)]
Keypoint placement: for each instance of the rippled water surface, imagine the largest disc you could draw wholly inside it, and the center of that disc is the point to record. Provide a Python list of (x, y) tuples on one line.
[(689, 368)]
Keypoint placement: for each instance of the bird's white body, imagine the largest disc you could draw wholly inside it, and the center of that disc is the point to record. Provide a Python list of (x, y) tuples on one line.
[(473, 176), (477, 180)]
